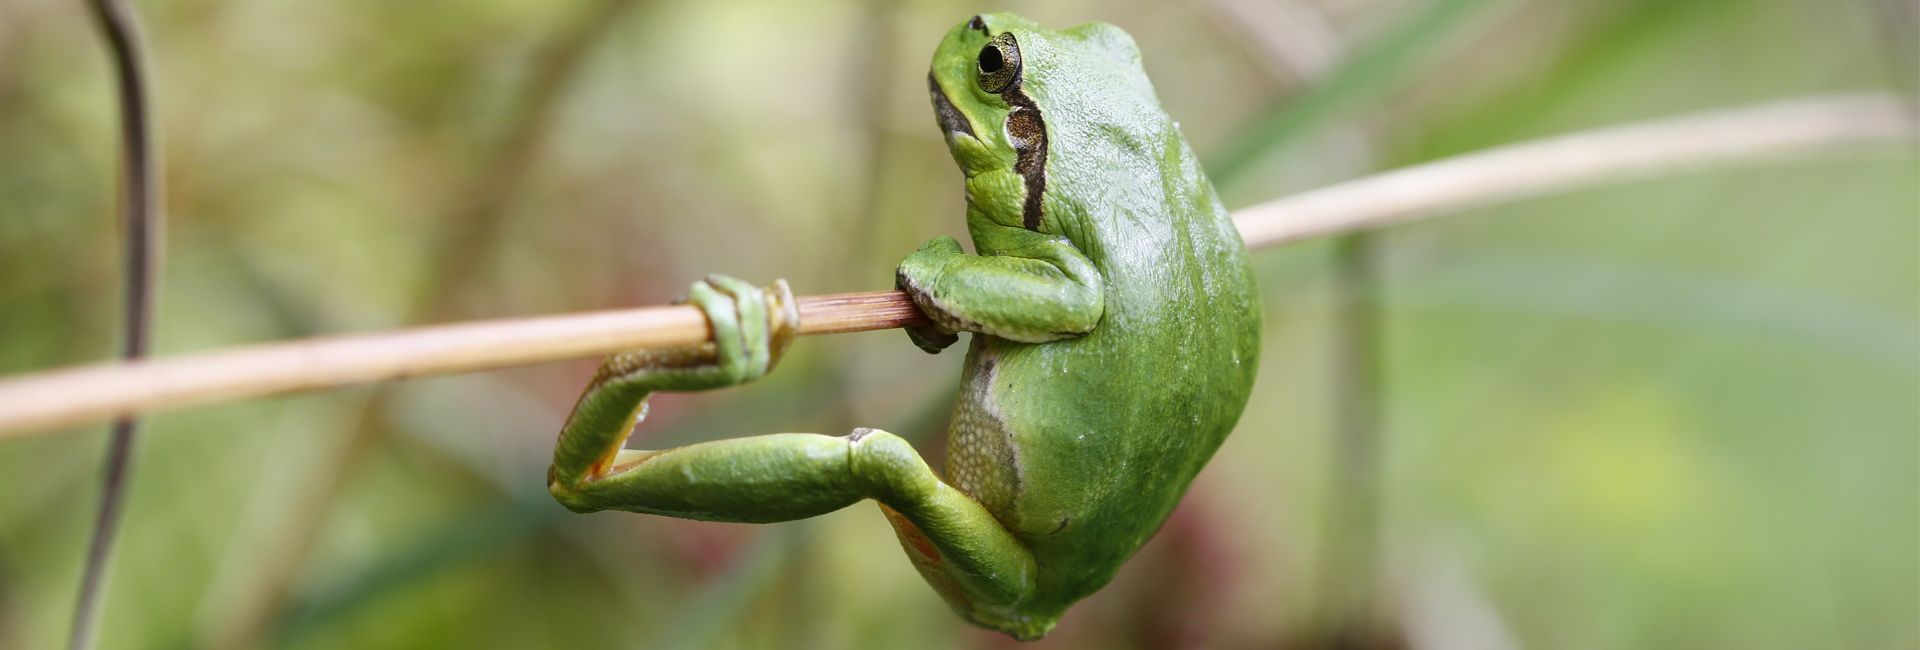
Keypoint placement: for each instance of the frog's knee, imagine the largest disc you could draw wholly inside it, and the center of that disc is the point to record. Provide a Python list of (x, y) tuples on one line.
[(887, 467), (879, 452)]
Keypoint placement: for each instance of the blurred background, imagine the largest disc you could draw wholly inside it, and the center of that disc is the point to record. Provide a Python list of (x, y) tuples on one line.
[(1677, 413)]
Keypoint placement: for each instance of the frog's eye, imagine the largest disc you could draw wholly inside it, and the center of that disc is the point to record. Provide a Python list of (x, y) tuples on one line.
[(1000, 64)]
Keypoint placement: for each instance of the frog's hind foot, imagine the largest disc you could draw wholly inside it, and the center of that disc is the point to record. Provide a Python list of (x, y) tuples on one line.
[(752, 327)]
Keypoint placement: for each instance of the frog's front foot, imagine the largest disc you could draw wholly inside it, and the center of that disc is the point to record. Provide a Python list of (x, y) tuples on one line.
[(913, 276)]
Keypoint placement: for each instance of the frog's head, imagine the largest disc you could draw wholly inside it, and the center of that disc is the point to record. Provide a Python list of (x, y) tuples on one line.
[(1004, 88)]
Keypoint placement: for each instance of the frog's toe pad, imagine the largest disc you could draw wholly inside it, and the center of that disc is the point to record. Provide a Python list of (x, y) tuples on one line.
[(932, 339)]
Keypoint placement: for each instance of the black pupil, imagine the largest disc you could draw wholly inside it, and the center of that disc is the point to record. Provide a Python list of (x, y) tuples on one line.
[(990, 59)]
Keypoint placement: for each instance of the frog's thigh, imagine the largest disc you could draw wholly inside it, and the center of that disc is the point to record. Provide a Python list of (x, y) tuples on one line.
[(982, 570)]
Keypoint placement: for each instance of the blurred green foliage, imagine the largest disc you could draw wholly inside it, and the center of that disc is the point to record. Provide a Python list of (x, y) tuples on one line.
[(1677, 413)]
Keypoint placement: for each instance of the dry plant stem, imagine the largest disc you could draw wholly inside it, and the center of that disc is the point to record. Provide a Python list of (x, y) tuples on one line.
[(1768, 132), (142, 219), (77, 395), (1763, 133)]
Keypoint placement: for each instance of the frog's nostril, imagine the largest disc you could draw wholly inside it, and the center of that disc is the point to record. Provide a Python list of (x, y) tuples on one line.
[(978, 24)]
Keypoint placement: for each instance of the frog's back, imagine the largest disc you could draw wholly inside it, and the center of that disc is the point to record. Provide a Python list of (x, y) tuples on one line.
[(1083, 446)]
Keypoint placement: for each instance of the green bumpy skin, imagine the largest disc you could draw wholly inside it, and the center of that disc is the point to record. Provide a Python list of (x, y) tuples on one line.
[(1116, 333)]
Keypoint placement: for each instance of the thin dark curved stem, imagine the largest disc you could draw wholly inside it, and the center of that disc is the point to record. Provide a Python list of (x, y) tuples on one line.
[(142, 219)]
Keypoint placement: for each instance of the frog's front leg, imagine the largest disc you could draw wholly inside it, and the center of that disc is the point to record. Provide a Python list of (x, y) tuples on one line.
[(970, 557), (1038, 288)]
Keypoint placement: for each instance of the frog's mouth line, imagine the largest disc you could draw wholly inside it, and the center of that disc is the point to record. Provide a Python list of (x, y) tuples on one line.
[(952, 122)]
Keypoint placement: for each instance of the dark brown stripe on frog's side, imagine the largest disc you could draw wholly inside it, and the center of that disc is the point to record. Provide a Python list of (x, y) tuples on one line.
[(1029, 131)]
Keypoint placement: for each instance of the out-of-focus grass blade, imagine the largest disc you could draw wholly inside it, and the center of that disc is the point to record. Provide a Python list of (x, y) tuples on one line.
[(477, 532), (1623, 291), (1388, 61), (725, 598)]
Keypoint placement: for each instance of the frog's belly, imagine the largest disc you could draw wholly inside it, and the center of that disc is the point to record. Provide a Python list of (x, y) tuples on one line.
[(981, 457), (1073, 465)]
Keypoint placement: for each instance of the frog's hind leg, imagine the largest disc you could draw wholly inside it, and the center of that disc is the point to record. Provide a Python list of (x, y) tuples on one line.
[(751, 328), (787, 476), (982, 570), (988, 575), (759, 479)]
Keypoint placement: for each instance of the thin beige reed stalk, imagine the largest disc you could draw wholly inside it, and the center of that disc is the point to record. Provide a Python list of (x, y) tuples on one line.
[(1767, 133)]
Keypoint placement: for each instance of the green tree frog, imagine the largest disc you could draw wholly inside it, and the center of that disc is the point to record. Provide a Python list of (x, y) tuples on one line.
[(1115, 325)]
